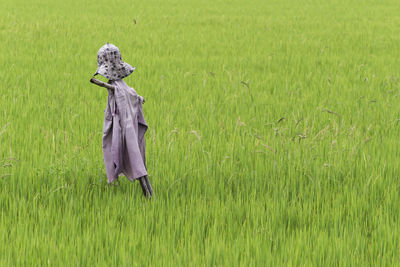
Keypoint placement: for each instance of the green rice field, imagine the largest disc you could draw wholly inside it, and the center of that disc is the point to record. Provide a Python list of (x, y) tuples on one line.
[(274, 133)]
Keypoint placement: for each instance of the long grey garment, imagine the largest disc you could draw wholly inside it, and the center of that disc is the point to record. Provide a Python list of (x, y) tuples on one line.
[(123, 133)]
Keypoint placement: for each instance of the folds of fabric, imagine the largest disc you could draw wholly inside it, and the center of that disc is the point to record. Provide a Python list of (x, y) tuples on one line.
[(123, 134)]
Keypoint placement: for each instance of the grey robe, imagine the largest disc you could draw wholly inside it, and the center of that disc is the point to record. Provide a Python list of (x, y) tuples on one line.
[(123, 133)]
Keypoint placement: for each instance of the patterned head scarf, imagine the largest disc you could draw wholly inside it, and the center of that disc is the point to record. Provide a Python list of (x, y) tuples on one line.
[(110, 64)]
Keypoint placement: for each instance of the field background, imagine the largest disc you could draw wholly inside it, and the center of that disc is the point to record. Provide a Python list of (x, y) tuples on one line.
[(274, 133)]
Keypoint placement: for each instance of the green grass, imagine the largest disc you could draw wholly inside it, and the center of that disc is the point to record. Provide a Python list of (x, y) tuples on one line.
[(274, 133)]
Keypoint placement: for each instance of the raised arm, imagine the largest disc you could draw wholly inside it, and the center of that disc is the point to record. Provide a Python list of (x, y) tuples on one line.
[(102, 84)]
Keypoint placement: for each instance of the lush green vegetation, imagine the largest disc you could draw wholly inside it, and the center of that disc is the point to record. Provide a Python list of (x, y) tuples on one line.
[(274, 133)]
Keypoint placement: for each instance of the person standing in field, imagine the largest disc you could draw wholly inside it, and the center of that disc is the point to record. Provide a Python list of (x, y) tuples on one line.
[(124, 124)]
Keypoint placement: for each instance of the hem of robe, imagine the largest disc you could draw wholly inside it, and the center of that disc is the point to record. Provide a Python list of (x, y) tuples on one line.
[(132, 179)]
